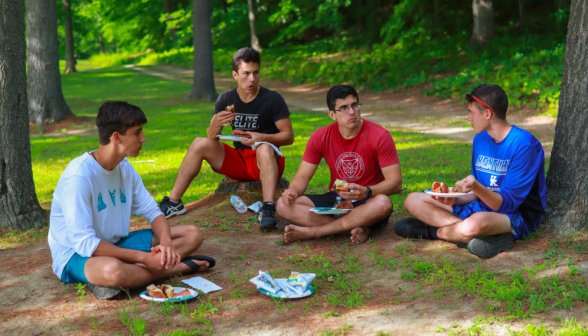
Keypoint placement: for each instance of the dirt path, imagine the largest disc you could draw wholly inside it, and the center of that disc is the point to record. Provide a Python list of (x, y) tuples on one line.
[(440, 117)]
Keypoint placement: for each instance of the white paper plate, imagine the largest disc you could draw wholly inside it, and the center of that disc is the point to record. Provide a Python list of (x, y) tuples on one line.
[(232, 138), (330, 211), (448, 195), (176, 290), (282, 294)]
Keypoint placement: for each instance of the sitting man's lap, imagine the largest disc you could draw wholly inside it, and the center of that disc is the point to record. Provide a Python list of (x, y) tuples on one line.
[(140, 240), (242, 164), (328, 200), (517, 223)]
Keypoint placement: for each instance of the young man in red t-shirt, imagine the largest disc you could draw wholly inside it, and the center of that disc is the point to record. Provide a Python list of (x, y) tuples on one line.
[(357, 151)]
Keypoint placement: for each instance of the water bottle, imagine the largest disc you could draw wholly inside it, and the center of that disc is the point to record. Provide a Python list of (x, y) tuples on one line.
[(338, 200), (238, 203)]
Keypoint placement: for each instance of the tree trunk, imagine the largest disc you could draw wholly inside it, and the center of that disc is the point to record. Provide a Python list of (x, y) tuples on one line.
[(101, 42), (169, 8), (203, 87), (483, 22), (70, 62), (521, 11), (44, 82), (19, 207), (567, 179), (254, 40)]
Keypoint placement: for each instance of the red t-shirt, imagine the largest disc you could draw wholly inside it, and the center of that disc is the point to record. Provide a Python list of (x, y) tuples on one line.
[(358, 160)]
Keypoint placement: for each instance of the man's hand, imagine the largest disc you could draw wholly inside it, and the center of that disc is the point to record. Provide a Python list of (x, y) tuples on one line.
[(466, 185), (356, 192), (153, 260), (168, 255), (222, 119), (289, 196), (255, 137), (445, 200)]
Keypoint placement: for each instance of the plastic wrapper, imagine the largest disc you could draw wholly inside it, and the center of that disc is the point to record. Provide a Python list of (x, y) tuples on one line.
[(300, 281), (264, 280)]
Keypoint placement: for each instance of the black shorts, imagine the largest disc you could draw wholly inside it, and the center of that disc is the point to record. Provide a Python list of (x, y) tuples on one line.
[(328, 200)]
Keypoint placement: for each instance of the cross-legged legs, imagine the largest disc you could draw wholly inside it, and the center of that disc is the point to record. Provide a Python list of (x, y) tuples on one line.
[(111, 272)]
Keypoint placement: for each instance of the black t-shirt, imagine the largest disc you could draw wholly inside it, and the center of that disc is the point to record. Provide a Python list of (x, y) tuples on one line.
[(259, 115)]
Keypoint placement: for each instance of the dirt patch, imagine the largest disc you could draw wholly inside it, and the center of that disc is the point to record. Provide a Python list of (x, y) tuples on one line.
[(69, 126), (390, 298)]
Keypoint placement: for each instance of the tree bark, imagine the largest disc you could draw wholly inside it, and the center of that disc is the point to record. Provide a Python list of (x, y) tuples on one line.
[(254, 40), (70, 62), (19, 207), (567, 179), (44, 82), (169, 8), (203, 87), (522, 11), (483, 22)]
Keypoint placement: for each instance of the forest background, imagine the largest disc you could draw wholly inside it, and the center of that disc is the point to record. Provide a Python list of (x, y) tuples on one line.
[(371, 44)]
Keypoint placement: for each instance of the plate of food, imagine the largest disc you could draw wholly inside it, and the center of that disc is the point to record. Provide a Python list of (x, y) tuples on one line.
[(282, 295), (330, 211), (441, 189), (168, 293)]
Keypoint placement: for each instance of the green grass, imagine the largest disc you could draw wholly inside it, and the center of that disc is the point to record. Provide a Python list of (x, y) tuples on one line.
[(174, 123)]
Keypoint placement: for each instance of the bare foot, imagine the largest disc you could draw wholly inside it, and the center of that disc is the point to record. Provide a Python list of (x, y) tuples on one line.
[(294, 233), (360, 235)]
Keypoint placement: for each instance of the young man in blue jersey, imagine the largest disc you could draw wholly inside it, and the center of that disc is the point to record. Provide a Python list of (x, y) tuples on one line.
[(508, 184)]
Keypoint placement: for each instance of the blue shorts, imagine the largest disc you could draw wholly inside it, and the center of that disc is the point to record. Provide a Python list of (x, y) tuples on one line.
[(519, 228), (137, 240)]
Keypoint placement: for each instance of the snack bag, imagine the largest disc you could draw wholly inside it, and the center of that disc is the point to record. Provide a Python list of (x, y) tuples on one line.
[(264, 280), (300, 281), (287, 288)]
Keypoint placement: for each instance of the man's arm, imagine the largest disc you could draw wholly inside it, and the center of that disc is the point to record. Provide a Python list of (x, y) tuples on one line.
[(219, 120), (392, 184), (150, 259), (299, 183), (284, 137)]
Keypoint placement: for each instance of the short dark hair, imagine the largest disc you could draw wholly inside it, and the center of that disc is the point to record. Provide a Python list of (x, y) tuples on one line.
[(493, 96), (117, 116), (247, 55), (340, 92)]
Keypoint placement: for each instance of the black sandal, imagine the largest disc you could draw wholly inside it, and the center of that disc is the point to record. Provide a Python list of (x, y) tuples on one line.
[(194, 266)]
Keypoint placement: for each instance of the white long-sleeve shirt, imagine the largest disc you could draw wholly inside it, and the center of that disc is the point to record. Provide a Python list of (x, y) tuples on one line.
[(92, 204)]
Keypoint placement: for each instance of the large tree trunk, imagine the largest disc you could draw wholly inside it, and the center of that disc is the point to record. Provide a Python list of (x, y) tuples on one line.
[(19, 207), (70, 62), (203, 87), (483, 22), (44, 82), (567, 179), (254, 40)]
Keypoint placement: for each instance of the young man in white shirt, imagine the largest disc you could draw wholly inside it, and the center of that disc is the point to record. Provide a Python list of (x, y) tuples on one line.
[(91, 210)]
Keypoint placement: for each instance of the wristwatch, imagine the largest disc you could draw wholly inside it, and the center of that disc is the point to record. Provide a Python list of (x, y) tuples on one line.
[(368, 194)]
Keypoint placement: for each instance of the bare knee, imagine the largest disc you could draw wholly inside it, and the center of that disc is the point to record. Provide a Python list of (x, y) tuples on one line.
[(473, 226), (193, 236), (282, 209), (113, 273), (382, 205), (200, 145), (264, 152), (413, 202)]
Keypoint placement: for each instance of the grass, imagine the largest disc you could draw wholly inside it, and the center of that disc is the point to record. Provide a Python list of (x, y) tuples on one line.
[(174, 123)]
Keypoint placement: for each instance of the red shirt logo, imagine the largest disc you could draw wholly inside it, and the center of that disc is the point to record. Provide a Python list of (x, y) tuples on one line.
[(350, 166)]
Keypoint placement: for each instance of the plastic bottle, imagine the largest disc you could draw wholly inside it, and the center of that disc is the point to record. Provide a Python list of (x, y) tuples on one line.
[(238, 203), (338, 200)]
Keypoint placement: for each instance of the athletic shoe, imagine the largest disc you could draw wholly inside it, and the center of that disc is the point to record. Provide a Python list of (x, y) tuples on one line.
[(267, 216), (490, 246), (415, 228), (105, 293), (171, 208)]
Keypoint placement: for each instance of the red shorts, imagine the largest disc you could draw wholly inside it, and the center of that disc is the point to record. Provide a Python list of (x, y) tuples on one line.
[(241, 164)]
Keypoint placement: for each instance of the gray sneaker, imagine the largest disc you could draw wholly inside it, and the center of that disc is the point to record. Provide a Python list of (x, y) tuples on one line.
[(105, 293), (490, 246)]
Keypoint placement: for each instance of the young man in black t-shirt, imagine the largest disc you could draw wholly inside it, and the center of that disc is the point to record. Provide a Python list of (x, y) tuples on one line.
[(263, 115)]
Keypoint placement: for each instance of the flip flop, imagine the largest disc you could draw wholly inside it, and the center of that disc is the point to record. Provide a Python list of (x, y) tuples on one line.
[(194, 266)]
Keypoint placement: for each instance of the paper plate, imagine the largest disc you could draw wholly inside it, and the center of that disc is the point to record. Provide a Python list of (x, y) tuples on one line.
[(448, 195), (232, 138), (176, 290), (329, 211), (282, 295)]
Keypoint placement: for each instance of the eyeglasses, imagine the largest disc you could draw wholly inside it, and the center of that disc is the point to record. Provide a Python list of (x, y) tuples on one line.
[(345, 109)]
